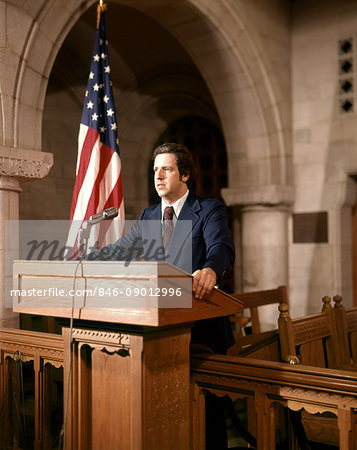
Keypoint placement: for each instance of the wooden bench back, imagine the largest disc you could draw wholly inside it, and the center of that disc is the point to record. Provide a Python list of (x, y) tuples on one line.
[(313, 339), (253, 300), (346, 326), (351, 324)]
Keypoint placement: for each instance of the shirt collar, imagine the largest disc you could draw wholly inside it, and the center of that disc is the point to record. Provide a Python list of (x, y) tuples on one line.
[(177, 205)]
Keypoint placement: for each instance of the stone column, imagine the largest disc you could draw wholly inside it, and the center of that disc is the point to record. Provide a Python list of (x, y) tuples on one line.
[(16, 167), (264, 247), (264, 241)]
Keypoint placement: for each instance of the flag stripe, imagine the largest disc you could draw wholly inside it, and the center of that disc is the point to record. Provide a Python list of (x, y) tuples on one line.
[(101, 183), (116, 195), (83, 160), (87, 182)]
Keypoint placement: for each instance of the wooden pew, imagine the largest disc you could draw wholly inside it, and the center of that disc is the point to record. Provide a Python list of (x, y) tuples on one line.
[(319, 343), (252, 301), (319, 340), (256, 344), (315, 340), (267, 384)]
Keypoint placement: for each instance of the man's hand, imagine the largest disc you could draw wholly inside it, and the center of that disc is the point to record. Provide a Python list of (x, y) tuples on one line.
[(203, 282)]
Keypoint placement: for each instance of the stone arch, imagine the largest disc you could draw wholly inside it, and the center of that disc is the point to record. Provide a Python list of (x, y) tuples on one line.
[(246, 98), (145, 125), (46, 28), (228, 58)]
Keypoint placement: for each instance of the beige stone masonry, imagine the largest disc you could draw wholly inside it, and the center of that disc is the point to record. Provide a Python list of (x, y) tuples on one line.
[(259, 195), (24, 165), (16, 167)]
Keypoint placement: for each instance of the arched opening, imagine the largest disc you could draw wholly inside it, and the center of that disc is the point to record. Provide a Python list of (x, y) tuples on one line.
[(155, 82)]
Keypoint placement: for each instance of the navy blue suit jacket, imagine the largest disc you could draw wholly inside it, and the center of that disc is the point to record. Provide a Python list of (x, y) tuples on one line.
[(211, 240), (212, 247)]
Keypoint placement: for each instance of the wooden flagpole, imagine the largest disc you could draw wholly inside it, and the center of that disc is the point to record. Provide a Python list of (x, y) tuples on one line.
[(101, 7)]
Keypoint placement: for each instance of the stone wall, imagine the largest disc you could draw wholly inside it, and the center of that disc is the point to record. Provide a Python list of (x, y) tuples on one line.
[(324, 147)]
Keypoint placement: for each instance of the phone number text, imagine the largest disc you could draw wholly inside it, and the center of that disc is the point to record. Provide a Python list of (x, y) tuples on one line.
[(140, 292)]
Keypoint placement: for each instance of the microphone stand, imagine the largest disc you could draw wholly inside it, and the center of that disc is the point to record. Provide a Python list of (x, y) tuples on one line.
[(83, 237), (84, 232)]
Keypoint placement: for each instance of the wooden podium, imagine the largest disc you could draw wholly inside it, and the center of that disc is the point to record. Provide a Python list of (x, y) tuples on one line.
[(127, 374)]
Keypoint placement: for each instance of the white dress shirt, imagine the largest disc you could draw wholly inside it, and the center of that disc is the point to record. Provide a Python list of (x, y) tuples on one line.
[(177, 207)]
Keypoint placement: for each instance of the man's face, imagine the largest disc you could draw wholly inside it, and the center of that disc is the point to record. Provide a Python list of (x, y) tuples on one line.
[(169, 184)]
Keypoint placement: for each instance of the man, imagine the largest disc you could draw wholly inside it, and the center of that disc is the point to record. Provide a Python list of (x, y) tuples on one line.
[(212, 247)]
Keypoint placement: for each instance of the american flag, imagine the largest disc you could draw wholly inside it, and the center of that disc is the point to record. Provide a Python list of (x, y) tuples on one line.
[(98, 183)]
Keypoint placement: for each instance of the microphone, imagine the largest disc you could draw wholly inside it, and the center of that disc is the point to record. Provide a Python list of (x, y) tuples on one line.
[(86, 227), (106, 214)]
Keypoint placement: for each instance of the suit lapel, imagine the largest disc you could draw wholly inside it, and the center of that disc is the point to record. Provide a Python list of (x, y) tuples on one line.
[(154, 213), (191, 209)]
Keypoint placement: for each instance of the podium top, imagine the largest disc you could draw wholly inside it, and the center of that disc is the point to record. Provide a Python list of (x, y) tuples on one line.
[(140, 293)]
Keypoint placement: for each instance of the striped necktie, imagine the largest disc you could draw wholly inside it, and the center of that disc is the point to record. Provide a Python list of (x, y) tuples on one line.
[(168, 227)]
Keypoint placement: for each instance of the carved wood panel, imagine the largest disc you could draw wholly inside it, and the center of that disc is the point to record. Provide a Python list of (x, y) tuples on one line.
[(311, 329), (45, 351)]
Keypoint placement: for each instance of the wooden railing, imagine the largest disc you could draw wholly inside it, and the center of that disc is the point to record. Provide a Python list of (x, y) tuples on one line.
[(321, 342), (265, 384)]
